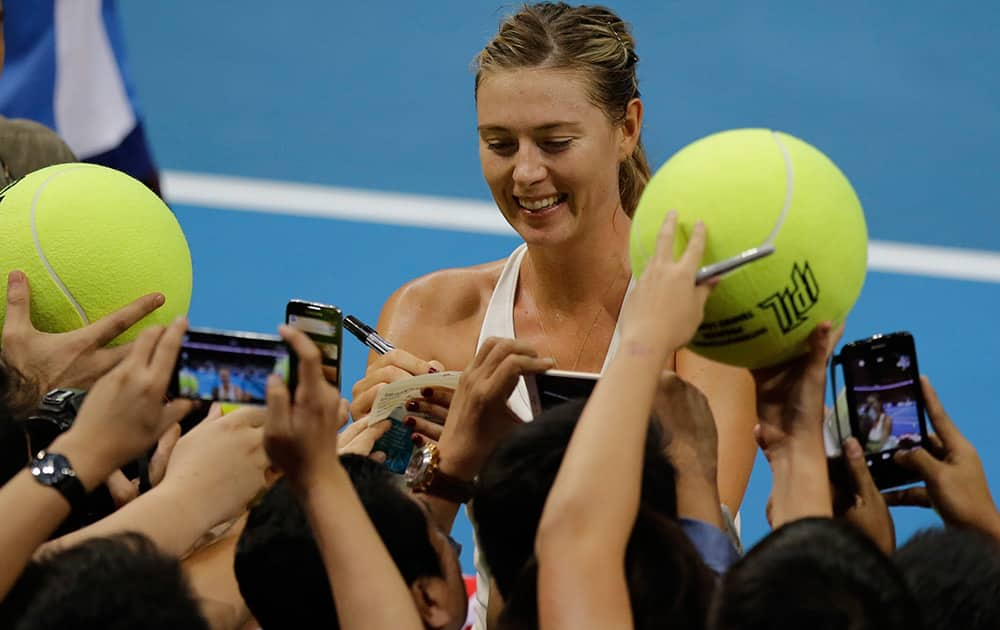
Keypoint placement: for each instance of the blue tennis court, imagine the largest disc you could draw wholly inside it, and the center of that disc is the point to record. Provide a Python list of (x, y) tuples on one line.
[(328, 151)]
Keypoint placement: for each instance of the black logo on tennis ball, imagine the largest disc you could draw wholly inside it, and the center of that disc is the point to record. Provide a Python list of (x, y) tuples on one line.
[(791, 305)]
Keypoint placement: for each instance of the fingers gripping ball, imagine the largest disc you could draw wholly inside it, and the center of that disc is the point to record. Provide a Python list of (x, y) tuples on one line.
[(753, 186), (91, 239)]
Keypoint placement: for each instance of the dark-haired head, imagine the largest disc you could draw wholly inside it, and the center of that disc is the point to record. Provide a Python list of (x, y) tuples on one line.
[(955, 576), (514, 483), (667, 579), (118, 582), (281, 574), (814, 573)]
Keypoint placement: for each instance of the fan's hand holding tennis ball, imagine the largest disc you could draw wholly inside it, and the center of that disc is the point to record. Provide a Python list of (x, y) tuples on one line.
[(665, 308), (70, 359), (790, 396), (103, 254)]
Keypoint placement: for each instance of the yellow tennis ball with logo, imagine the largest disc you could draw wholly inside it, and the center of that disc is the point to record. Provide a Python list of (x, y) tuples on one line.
[(754, 187), (91, 240)]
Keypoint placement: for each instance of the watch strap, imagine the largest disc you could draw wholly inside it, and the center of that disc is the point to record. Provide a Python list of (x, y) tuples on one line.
[(450, 488), (66, 482)]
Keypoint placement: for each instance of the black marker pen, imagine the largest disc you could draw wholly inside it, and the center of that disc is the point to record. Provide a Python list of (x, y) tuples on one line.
[(367, 335)]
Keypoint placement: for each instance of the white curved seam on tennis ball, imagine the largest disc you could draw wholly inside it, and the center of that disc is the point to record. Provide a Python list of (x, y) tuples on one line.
[(789, 188), (41, 253)]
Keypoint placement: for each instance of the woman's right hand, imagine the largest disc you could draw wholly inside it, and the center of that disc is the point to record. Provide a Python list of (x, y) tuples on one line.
[(388, 368)]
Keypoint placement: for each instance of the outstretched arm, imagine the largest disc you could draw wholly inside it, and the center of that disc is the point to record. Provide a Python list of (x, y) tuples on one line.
[(591, 509), (121, 418), (300, 437), (790, 406)]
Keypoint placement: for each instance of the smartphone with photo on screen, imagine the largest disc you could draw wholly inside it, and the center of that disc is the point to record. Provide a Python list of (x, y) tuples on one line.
[(324, 325), (884, 402), (225, 366), (552, 387)]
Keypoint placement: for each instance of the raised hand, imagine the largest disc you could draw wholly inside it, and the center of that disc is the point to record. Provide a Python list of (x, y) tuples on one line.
[(955, 482), (790, 396), (71, 359), (124, 413), (692, 444), (666, 306), (790, 432), (300, 436)]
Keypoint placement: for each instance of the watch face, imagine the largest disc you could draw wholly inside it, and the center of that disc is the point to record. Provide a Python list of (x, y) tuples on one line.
[(51, 469), (417, 468)]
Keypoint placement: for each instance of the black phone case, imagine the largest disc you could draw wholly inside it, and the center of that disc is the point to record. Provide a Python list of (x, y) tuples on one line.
[(885, 472)]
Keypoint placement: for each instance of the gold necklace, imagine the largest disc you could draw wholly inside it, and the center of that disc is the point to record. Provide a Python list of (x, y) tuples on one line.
[(593, 324)]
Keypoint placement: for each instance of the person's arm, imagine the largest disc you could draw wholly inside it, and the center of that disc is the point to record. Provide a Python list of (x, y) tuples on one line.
[(790, 400), (300, 437), (213, 473), (955, 482), (730, 393), (478, 416), (692, 446), (591, 509), (122, 416)]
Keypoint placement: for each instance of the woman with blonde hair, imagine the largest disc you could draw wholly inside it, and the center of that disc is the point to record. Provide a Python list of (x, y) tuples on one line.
[(559, 122)]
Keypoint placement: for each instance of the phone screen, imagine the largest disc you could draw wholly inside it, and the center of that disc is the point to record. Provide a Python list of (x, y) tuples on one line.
[(323, 324), (884, 400), (550, 388), (228, 367)]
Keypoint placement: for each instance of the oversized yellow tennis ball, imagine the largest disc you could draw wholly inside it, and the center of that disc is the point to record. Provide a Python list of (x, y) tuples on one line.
[(91, 239), (750, 187)]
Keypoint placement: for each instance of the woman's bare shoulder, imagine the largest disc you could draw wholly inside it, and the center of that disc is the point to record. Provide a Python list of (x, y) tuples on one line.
[(449, 298)]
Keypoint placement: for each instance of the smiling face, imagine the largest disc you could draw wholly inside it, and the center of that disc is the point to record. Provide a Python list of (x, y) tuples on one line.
[(549, 155)]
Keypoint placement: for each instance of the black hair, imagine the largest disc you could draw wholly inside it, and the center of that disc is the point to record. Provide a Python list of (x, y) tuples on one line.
[(14, 407), (279, 568), (669, 584), (955, 576), (116, 583), (18, 393), (814, 573), (514, 483)]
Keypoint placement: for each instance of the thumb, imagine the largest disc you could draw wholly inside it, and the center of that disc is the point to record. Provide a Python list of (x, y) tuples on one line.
[(919, 461), (18, 315), (859, 468)]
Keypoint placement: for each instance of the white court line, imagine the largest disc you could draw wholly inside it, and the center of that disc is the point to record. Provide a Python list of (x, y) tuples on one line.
[(467, 215)]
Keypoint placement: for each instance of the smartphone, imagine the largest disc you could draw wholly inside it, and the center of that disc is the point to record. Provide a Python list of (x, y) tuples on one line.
[(325, 326), (884, 402), (228, 366), (552, 387)]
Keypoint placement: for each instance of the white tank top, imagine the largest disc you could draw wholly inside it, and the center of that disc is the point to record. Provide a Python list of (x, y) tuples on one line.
[(499, 322)]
